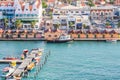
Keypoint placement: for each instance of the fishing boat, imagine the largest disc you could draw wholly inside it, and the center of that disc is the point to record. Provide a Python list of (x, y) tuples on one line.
[(111, 40), (62, 38), (30, 66)]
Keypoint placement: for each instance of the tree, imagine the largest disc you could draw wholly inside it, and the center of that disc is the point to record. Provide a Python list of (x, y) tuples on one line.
[(56, 26), (5, 22), (118, 24), (90, 3), (33, 23), (71, 25), (84, 26), (44, 5), (107, 24), (50, 14), (18, 24), (111, 1)]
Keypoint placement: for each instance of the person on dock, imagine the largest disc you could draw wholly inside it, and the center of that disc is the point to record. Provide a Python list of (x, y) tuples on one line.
[(22, 57), (25, 53)]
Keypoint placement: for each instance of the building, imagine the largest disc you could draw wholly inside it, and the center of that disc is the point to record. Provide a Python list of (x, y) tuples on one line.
[(25, 10), (69, 17), (102, 13), (51, 3), (6, 12), (28, 12), (117, 2)]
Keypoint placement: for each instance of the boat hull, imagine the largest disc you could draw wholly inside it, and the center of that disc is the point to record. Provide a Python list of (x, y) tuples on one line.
[(58, 41)]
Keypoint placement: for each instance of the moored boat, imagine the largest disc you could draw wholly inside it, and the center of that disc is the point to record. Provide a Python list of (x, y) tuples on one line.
[(111, 40), (7, 74), (30, 66), (6, 69), (62, 38), (10, 58)]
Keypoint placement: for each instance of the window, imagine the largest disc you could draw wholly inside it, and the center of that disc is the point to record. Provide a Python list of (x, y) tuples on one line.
[(102, 13), (82, 12), (77, 11), (55, 35), (56, 11), (49, 35), (97, 13), (106, 13), (16, 15)]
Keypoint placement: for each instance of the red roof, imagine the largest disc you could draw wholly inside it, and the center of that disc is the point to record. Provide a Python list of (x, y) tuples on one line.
[(51, 1)]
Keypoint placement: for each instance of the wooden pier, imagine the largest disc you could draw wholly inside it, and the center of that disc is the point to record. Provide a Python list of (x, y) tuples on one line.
[(25, 63), (35, 55)]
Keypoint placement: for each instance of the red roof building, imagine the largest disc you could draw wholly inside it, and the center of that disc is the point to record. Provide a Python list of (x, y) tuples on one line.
[(117, 2)]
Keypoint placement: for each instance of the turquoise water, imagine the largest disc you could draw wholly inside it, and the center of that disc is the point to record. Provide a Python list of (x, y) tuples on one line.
[(80, 60)]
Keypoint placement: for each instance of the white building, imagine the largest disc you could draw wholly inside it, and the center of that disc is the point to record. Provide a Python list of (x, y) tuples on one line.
[(70, 17), (102, 12), (28, 12)]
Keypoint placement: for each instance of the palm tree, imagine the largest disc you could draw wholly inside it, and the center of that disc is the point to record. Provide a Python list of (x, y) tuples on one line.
[(118, 24), (57, 25), (111, 1), (107, 24), (71, 25), (33, 23), (44, 4), (90, 3), (18, 24), (84, 26), (5, 22)]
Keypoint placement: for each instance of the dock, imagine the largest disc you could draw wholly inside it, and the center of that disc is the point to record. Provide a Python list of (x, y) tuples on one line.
[(35, 55), (25, 63)]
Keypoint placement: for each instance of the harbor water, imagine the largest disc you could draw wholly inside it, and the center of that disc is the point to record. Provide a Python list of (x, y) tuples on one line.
[(79, 60)]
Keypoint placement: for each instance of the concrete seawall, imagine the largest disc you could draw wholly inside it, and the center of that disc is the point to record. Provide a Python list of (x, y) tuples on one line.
[(42, 39)]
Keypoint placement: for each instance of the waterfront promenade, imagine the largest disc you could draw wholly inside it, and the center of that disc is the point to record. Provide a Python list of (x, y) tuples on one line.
[(34, 35)]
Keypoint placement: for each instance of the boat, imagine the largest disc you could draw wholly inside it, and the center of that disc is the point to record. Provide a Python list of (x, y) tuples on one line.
[(6, 75), (10, 58), (30, 66), (111, 40), (17, 78), (6, 69), (62, 38)]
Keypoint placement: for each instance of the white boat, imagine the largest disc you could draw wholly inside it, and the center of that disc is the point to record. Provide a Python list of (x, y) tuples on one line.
[(8, 74), (62, 38), (111, 40)]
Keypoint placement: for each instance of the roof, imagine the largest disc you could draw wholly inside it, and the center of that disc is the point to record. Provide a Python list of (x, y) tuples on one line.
[(6, 3), (69, 7), (37, 4), (51, 1), (103, 7)]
